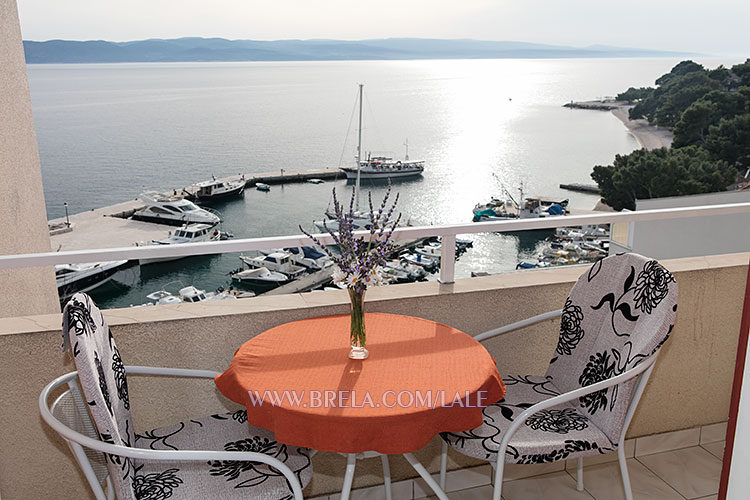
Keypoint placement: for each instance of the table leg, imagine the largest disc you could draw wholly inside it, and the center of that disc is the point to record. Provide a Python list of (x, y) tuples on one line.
[(351, 462), (426, 476), (386, 477)]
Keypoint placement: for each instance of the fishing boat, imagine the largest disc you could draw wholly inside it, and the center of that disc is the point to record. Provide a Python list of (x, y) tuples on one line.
[(528, 208), (173, 210), (219, 189), (190, 233), (74, 278)]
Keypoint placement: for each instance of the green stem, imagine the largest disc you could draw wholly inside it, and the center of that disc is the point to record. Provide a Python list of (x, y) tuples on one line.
[(357, 336)]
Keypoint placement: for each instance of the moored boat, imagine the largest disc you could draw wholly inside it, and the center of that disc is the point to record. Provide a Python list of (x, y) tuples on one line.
[(173, 210), (74, 278), (218, 189)]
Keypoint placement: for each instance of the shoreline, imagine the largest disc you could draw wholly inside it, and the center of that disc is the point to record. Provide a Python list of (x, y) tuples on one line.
[(648, 136)]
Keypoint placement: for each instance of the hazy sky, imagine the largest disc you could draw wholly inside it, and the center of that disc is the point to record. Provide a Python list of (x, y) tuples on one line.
[(715, 27)]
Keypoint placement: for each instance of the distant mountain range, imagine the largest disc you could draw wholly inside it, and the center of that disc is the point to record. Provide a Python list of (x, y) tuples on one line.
[(220, 49)]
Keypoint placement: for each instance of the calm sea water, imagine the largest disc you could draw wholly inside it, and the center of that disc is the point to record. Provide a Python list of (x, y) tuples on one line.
[(106, 132)]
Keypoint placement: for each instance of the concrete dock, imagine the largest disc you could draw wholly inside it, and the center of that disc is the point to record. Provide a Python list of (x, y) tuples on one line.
[(107, 227)]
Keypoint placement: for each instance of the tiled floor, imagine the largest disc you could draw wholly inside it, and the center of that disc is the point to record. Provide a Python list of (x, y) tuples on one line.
[(682, 465)]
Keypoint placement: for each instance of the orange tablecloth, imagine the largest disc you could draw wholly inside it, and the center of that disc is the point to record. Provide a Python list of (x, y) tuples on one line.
[(421, 378)]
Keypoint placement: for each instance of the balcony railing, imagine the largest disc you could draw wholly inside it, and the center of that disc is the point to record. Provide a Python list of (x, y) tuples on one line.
[(447, 232)]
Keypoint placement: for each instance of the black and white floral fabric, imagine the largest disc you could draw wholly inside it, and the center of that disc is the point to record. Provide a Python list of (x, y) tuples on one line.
[(103, 382), (618, 314)]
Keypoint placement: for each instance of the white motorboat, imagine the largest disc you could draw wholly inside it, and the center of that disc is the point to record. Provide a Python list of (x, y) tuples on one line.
[(420, 260), (314, 181), (261, 186), (73, 278), (174, 210), (431, 250), (190, 233), (192, 294), (309, 257), (216, 189), (279, 262), (262, 279)]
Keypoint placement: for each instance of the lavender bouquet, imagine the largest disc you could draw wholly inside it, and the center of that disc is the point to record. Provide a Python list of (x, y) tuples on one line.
[(361, 258)]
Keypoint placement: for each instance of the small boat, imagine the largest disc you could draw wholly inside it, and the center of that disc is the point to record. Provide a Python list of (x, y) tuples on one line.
[(309, 257), (529, 208), (174, 210), (431, 250), (217, 189), (276, 261), (420, 260), (74, 278), (314, 181), (260, 186), (262, 279), (192, 294), (412, 272), (190, 233)]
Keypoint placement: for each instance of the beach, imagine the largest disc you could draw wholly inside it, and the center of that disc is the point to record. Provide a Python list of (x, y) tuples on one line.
[(648, 136)]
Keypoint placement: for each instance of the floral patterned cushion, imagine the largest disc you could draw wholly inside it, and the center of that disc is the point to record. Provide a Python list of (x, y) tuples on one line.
[(101, 375), (554, 434), (216, 479), (618, 314)]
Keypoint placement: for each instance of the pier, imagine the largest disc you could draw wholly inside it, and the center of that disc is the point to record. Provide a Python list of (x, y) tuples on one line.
[(581, 188), (110, 227), (282, 177)]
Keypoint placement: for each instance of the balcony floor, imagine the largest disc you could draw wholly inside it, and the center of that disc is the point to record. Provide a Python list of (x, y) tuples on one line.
[(681, 465)]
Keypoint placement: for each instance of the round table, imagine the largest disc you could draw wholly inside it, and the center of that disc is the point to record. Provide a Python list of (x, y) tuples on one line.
[(421, 378)]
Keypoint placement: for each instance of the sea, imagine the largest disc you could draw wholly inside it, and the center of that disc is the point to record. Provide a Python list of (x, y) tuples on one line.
[(107, 132)]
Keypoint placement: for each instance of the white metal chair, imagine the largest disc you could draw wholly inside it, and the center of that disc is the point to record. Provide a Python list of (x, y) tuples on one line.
[(218, 457), (615, 320)]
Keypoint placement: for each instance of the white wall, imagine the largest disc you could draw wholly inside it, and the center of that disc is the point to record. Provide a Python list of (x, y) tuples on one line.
[(693, 236)]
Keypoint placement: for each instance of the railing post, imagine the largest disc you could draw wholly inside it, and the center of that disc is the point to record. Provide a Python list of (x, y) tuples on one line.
[(447, 259)]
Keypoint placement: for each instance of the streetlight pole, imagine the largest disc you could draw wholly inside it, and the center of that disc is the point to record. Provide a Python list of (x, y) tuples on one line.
[(67, 219)]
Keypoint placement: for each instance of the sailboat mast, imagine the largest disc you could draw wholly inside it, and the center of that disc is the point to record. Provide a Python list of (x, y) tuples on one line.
[(359, 149)]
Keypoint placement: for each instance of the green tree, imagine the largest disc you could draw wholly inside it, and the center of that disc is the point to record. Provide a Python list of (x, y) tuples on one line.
[(706, 111), (661, 172), (730, 141), (635, 94)]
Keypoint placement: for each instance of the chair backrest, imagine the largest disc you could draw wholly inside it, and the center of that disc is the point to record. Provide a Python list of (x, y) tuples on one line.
[(618, 314), (101, 375)]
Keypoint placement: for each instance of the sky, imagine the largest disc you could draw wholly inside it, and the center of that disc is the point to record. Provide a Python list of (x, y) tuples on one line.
[(718, 27)]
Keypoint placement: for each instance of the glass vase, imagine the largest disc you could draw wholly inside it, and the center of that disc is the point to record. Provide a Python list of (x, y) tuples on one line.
[(357, 337)]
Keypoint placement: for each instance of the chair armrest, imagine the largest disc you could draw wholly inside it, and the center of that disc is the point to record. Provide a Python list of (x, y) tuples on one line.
[(518, 324), (577, 393), (171, 372)]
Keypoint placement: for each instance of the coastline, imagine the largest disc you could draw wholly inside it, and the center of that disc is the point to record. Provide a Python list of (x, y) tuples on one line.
[(648, 136)]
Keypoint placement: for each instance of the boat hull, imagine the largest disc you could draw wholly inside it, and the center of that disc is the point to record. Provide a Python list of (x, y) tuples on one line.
[(351, 173), (220, 196), (88, 281), (169, 221)]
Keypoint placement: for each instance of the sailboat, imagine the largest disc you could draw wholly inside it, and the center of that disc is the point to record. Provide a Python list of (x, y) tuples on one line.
[(380, 167), (360, 221)]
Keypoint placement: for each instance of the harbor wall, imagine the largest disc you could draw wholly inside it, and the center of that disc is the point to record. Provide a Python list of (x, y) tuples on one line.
[(690, 386), (23, 221)]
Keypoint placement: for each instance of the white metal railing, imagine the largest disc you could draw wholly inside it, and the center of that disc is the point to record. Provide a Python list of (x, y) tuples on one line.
[(447, 232)]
